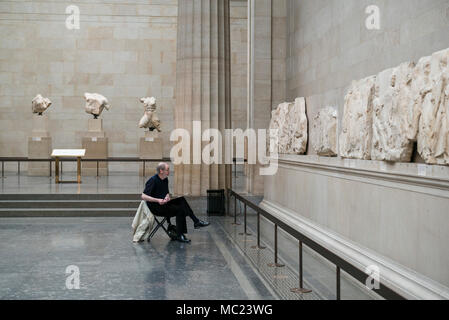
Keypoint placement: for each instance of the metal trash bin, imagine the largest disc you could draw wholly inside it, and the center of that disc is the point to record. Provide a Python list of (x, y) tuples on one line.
[(215, 202)]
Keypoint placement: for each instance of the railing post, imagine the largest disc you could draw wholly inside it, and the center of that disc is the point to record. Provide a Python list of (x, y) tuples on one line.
[(276, 264), (300, 265), (78, 170), (18, 168), (235, 212), (338, 283), (3, 169), (49, 174), (143, 170), (228, 202), (258, 246), (244, 218), (244, 221), (301, 288), (97, 168), (56, 170)]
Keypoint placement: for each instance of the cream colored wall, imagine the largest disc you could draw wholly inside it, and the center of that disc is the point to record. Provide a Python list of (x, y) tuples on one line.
[(279, 38), (393, 216), (123, 50)]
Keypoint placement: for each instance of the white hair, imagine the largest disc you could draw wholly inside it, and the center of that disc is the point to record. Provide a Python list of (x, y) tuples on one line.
[(161, 166)]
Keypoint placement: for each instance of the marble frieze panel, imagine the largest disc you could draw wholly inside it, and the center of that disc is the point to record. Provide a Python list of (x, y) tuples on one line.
[(392, 109), (324, 132), (356, 136), (433, 134), (291, 122)]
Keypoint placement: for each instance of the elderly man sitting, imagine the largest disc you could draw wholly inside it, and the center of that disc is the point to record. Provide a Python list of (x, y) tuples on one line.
[(158, 200)]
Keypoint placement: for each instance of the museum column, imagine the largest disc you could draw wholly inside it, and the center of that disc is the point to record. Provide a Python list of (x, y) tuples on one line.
[(202, 88), (259, 79)]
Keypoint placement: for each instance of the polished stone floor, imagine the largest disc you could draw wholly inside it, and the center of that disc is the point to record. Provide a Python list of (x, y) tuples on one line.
[(218, 264), (35, 253)]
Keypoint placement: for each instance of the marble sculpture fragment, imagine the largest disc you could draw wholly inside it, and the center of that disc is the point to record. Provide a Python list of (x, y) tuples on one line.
[(392, 109), (95, 103), (421, 87), (150, 119), (355, 138), (291, 122), (324, 132), (39, 104), (433, 134)]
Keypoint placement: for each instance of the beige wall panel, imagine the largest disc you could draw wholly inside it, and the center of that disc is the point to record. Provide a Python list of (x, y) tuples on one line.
[(124, 58)]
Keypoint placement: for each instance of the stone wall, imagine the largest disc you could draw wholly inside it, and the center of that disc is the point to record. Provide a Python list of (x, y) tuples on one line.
[(329, 44), (124, 51), (368, 212), (279, 52)]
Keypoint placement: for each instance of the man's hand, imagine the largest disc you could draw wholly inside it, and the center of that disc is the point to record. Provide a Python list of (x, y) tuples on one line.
[(167, 197), (162, 201)]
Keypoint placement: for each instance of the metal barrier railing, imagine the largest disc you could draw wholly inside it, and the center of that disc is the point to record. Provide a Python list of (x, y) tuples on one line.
[(339, 262), (111, 159)]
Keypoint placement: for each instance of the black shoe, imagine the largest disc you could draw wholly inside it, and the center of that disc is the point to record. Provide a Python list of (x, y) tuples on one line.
[(182, 238), (201, 224), (172, 232)]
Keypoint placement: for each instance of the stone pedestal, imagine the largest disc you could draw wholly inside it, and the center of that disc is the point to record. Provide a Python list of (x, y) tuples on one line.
[(40, 126), (95, 125), (93, 134), (39, 147), (96, 144), (150, 147)]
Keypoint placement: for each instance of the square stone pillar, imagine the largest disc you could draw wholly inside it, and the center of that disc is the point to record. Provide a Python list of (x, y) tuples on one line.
[(150, 148), (96, 144), (202, 88), (259, 79)]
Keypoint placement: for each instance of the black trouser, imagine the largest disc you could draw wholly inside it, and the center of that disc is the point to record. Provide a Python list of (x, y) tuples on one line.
[(178, 208)]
